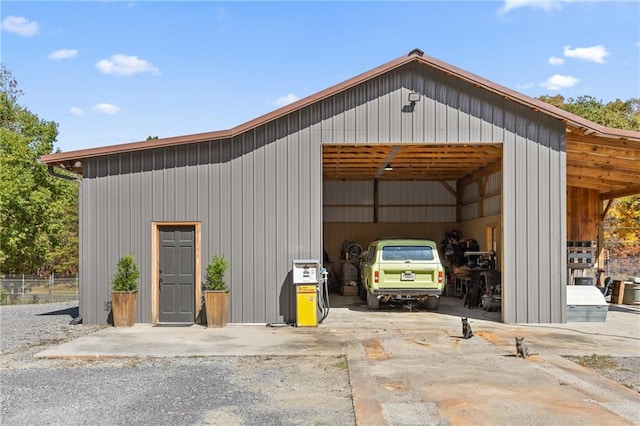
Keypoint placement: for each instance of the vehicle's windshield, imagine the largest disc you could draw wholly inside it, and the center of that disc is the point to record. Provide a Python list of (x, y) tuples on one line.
[(407, 253)]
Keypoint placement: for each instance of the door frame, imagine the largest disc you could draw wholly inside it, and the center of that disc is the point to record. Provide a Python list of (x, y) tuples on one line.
[(155, 268)]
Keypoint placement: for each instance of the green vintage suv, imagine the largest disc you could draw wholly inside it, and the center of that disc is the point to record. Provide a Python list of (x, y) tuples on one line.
[(402, 270)]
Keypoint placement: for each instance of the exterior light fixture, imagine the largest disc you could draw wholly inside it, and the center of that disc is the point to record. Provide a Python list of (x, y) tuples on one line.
[(414, 97), (388, 167)]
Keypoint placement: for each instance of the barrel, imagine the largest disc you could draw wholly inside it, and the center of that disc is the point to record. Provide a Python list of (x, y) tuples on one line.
[(631, 294)]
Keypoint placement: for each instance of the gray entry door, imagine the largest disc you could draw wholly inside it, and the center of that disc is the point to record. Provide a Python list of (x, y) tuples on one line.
[(177, 279)]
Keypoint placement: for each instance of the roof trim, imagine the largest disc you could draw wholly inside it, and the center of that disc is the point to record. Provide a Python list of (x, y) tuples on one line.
[(415, 55)]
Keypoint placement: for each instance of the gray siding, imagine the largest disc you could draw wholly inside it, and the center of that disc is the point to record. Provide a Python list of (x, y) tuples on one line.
[(258, 196), (534, 220)]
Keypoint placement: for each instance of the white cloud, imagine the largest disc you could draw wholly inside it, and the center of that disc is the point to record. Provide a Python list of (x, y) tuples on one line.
[(286, 100), (559, 82), (593, 53), (105, 109), (63, 54), (556, 61), (19, 25), (126, 65), (524, 86), (76, 111), (545, 5)]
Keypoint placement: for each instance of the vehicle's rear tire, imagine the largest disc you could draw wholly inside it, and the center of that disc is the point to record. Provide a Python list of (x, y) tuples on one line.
[(372, 302), (432, 303)]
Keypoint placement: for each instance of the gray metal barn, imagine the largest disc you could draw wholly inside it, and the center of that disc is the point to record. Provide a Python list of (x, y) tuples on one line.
[(467, 154)]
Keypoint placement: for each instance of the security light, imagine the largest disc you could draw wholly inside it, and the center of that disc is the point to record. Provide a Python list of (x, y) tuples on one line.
[(414, 97)]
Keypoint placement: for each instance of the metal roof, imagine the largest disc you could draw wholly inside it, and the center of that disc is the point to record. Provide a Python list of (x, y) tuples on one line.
[(587, 142)]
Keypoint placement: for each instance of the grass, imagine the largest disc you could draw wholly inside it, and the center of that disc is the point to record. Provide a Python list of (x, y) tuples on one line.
[(597, 362)]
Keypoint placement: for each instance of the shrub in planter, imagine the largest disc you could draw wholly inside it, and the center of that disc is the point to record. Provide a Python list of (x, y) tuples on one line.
[(216, 295), (125, 292)]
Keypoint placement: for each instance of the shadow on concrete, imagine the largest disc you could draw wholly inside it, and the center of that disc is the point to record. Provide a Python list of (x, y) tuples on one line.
[(73, 312), (451, 306)]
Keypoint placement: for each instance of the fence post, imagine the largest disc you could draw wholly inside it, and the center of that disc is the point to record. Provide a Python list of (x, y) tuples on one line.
[(22, 292)]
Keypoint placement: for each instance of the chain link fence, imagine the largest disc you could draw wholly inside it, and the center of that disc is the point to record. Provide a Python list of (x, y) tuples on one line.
[(22, 289), (622, 259)]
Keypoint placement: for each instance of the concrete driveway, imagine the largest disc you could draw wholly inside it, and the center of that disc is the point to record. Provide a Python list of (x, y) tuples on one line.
[(411, 368)]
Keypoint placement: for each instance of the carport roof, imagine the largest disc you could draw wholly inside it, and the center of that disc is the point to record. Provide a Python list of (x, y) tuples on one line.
[(598, 157)]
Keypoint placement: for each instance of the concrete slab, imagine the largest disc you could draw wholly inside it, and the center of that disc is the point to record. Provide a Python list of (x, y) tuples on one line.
[(414, 367)]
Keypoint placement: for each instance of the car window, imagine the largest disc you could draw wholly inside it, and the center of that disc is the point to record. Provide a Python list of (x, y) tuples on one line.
[(407, 253)]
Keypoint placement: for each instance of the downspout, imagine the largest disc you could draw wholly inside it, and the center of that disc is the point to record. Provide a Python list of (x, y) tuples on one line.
[(52, 171)]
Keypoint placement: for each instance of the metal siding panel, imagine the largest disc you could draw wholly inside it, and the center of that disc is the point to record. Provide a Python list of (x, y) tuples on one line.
[(509, 257), (558, 230), (247, 231), (236, 258), (544, 260), (170, 200), (395, 107), (486, 131), (315, 199), (338, 119), (418, 116), (522, 256), (406, 119), (440, 110), (361, 114), (475, 109), (463, 117), (158, 185), (534, 202), (350, 115), (281, 265), (257, 244), (453, 94), (146, 217), (271, 221), (384, 110), (327, 119), (192, 183), (372, 111)]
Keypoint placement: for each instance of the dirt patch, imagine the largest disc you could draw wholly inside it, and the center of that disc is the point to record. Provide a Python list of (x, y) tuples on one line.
[(624, 370)]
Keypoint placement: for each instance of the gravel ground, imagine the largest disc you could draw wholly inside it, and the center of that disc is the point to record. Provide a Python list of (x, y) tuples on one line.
[(196, 391)]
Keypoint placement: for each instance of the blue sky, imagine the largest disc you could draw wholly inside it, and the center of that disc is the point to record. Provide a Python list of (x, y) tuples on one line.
[(111, 72)]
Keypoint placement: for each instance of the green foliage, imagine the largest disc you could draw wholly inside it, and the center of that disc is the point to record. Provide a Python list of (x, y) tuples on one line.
[(623, 220), (126, 277), (617, 114), (152, 138), (215, 274), (38, 212)]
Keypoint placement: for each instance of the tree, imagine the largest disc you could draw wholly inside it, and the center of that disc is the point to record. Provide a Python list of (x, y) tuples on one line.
[(38, 213), (617, 114)]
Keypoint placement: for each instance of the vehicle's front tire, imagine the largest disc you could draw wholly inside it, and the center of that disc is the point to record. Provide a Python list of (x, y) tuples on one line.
[(362, 291), (372, 301)]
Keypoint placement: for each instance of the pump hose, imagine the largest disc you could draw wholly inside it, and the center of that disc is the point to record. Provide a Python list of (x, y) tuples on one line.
[(323, 301)]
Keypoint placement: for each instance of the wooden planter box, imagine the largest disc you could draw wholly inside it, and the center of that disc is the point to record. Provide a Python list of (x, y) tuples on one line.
[(123, 304), (217, 305)]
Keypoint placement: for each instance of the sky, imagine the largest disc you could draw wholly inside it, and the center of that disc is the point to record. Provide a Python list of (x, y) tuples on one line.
[(111, 72)]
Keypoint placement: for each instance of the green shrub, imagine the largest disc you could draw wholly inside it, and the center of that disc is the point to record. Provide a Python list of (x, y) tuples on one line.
[(126, 277), (215, 274)]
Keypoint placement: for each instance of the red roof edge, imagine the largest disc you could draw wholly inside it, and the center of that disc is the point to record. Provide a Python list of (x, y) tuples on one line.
[(414, 55)]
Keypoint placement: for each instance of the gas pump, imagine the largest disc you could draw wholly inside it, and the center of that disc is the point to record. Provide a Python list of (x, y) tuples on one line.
[(312, 295)]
